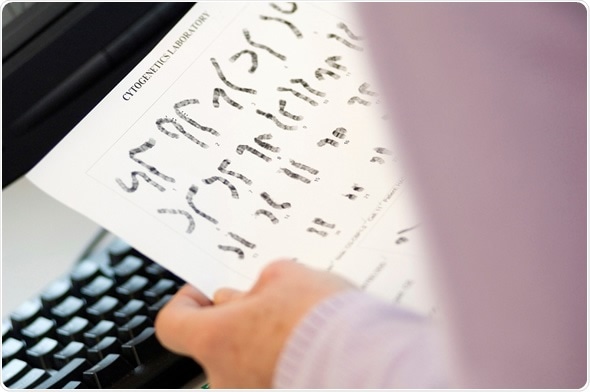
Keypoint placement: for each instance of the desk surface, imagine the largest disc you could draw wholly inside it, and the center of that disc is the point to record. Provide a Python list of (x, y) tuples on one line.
[(41, 238)]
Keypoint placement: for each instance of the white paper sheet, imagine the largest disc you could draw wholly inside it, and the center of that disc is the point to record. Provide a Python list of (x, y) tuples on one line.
[(252, 132)]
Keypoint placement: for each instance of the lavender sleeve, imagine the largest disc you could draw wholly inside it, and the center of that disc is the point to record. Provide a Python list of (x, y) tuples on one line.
[(489, 103), (353, 340)]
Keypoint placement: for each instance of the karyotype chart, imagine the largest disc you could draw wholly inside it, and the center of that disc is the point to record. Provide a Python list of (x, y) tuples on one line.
[(271, 126)]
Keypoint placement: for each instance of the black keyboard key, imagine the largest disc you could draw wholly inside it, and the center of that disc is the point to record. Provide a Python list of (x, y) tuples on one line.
[(154, 309), (7, 331), (38, 329), (97, 289), (55, 293), (69, 352), (155, 272), (83, 273), (133, 288), (68, 308), (72, 371), (72, 330), (103, 309), (30, 380), (99, 331), (41, 354), (143, 347), (131, 309), (12, 348), (127, 267), (14, 370), (108, 345), (102, 375), (118, 250), (25, 314), (75, 385), (133, 328), (160, 289)]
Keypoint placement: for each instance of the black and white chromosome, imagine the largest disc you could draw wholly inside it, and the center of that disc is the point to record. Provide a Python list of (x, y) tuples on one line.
[(192, 191), (345, 42), (302, 166), (160, 123), (277, 122), (308, 87), (266, 197), (364, 89), (261, 46), (356, 99), (295, 176), (242, 241), (177, 108), (290, 25), (323, 223), (191, 221), (219, 92), (325, 141), (298, 95), (348, 32), (268, 214), (242, 147), (340, 133), (332, 62), (222, 168), (227, 82), (143, 148), (320, 72), (234, 249), (260, 141), (135, 182), (253, 59), (233, 190), (285, 11), (282, 104)]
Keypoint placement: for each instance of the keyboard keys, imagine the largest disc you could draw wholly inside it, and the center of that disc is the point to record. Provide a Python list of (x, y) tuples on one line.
[(12, 348), (55, 293), (99, 331), (160, 289), (65, 355), (129, 266), (98, 288), (132, 288), (155, 272), (25, 314), (102, 309), (75, 385), (104, 373), (7, 331), (118, 250), (30, 380), (72, 330), (133, 328), (68, 308), (38, 329), (108, 345), (70, 372), (143, 347), (41, 354), (131, 309), (84, 273), (14, 370), (154, 309)]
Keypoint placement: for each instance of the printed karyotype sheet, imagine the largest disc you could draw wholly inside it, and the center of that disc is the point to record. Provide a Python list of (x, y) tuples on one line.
[(252, 132)]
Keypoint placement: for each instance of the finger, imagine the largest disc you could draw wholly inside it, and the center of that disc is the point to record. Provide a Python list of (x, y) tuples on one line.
[(174, 325), (226, 294), (192, 293)]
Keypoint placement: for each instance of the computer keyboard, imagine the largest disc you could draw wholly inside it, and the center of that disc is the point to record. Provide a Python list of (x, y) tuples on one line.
[(94, 327)]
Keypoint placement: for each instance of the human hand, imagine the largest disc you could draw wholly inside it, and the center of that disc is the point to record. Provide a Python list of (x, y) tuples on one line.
[(238, 337)]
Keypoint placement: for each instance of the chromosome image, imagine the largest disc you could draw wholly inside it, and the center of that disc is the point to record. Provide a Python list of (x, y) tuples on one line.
[(263, 47), (253, 59), (277, 122), (191, 221), (227, 82), (233, 190), (290, 25), (223, 166), (242, 147), (274, 204)]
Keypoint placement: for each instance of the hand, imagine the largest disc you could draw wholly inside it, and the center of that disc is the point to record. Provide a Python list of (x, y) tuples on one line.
[(238, 337)]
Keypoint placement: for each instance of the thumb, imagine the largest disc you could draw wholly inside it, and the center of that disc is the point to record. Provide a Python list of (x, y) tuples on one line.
[(226, 294)]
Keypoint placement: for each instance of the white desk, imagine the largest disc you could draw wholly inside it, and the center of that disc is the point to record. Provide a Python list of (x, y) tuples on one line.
[(41, 238)]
